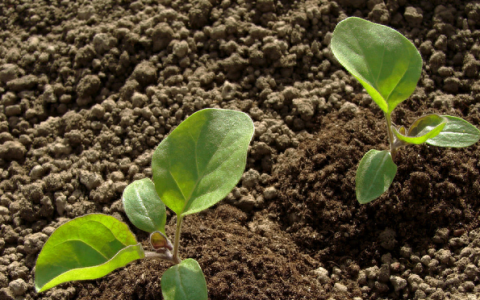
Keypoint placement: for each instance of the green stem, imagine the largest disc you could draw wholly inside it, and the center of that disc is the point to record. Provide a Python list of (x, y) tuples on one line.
[(393, 150), (176, 243)]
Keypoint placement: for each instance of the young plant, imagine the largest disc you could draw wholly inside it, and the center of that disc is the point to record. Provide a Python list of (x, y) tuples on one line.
[(196, 166), (388, 66)]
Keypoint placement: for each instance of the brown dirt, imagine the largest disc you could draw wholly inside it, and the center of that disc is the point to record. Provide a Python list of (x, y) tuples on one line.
[(240, 258), (433, 188)]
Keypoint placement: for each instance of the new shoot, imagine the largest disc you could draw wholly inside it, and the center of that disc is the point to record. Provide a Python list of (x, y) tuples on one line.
[(388, 66), (195, 167)]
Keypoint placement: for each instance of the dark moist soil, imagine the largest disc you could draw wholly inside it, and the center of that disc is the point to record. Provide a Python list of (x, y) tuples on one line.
[(433, 188), (242, 259), (317, 221)]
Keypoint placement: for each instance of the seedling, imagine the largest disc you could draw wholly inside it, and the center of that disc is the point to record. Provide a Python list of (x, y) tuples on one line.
[(388, 66), (196, 166)]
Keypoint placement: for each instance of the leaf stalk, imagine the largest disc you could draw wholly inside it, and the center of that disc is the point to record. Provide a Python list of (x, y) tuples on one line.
[(157, 255)]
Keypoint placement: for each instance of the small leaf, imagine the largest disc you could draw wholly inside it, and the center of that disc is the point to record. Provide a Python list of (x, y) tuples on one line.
[(144, 207), (159, 241), (184, 281), (202, 160), (385, 62), (85, 248), (374, 176), (422, 129), (457, 133)]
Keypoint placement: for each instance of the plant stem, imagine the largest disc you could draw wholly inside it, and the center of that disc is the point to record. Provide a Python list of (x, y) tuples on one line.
[(176, 243), (393, 150)]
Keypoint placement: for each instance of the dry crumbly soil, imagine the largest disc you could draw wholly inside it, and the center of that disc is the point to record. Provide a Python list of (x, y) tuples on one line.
[(89, 88)]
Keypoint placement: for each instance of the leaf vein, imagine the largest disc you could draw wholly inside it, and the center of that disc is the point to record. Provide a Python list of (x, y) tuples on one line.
[(194, 151), (401, 78), (370, 73), (200, 177), (176, 183), (145, 212), (96, 250), (377, 173), (182, 289), (381, 64)]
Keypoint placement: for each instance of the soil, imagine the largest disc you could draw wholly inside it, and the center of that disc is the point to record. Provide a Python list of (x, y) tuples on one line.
[(89, 88)]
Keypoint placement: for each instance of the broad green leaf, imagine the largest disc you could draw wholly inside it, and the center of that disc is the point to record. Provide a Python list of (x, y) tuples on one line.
[(385, 62), (144, 207), (457, 133), (422, 129), (85, 248), (374, 176), (184, 281), (202, 160)]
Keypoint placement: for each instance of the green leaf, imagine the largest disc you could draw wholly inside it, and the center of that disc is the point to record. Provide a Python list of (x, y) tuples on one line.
[(85, 248), (202, 160), (184, 281), (374, 176), (385, 62), (144, 207), (422, 129), (457, 133)]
